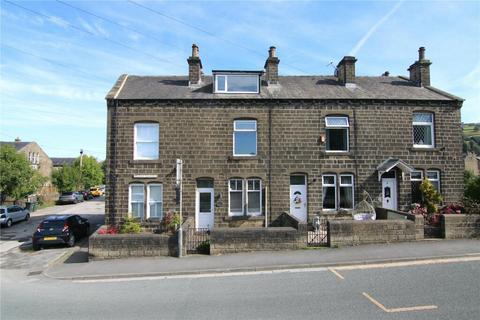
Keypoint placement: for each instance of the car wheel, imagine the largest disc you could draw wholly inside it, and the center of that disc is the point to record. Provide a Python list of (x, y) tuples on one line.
[(71, 240), (35, 247), (75, 201), (9, 223), (27, 216)]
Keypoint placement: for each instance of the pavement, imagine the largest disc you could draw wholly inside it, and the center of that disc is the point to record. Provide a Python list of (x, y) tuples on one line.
[(75, 268)]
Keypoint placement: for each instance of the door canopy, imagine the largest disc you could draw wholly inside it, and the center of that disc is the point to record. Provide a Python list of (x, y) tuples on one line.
[(391, 163)]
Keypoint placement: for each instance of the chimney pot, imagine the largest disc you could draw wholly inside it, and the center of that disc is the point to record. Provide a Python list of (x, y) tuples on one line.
[(17, 139), (421, 53), (386, 74), (272, 53), (195, 53)]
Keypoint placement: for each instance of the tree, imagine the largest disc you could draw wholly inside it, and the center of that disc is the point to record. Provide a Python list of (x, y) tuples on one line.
[(17, 178), (472, 186), (67, 178), (91, 171)]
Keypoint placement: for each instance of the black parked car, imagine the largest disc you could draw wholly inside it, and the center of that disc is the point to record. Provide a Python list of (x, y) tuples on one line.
[(64, 229)]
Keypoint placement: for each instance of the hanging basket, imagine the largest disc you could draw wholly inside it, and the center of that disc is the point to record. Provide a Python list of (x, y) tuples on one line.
[(364, 210)]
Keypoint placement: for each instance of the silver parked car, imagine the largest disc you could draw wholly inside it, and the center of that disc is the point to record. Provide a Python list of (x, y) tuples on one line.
[(70, 197), (11, 214)]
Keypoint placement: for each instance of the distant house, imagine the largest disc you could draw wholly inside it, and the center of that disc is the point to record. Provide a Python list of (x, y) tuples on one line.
[(472, 163), (39, 161), (61, 162)]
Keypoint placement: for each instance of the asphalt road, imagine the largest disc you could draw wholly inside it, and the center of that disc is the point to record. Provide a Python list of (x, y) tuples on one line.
[(450, 290), (15, 242)]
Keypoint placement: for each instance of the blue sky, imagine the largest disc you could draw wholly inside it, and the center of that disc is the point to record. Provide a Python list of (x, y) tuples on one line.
[(58, 62)]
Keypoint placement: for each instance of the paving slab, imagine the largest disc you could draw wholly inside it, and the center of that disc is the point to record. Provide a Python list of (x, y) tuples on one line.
[(254, 261)]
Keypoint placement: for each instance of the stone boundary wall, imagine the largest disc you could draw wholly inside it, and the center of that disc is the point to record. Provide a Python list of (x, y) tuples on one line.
[(108, 246), (457, 226), (225, 240), (348, 233), (418, 220)]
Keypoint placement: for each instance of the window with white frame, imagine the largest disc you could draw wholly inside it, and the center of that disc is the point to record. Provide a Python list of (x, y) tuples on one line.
[(146, 141), (434, 177), (329, 191), (237, 83), (245, 197), (155, 201), (423, 133), (236, 197), (416, 178), (336, 129), (245, 138), (346, 191), (254, 197), (137, 200)]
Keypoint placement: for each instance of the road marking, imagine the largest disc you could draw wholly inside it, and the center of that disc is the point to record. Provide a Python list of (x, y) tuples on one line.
[(203, 275), (336, 273), (407, 263), (394, 310)]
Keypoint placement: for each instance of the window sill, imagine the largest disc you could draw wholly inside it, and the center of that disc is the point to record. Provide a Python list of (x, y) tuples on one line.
[(338, 153), (427, 149), (156, 161), (243, 218), (234, 158)]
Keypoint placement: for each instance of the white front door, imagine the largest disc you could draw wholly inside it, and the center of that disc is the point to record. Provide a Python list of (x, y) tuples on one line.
[(204, 208), (298, 197), (389, 193)]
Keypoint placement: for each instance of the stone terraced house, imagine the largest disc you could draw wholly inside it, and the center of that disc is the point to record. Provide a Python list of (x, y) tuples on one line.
[(255, 144)]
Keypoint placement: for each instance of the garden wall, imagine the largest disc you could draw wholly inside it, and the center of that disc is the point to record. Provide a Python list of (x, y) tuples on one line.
[(227, 240), (108, 246), (418, 220), (348, 233), (456, 226)]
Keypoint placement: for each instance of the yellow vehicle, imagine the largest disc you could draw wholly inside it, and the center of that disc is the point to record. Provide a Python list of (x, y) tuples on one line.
[(96, 191)]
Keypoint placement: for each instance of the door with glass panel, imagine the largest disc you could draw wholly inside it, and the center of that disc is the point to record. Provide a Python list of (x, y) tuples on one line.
[(298, 197), (204, 212)]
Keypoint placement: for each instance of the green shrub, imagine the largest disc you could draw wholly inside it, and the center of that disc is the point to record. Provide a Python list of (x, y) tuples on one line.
[(171, 221), (472, 186), (431, 197), (204, 247), (131, 225)]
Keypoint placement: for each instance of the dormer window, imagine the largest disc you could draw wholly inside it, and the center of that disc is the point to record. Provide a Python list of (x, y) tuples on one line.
[(236, 81)]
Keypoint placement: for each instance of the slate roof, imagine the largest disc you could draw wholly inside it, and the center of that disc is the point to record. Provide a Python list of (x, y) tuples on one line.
[(58, 162), (290, 87), (16, 145)]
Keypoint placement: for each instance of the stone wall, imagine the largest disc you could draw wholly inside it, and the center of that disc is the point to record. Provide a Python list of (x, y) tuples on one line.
[(107, 246), (456, 226), (418, 220), (228, 240), (288, 136), (348, 233)]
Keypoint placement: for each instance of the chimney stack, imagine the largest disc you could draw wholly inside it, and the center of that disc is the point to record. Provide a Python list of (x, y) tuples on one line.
[(17, 139), (271, 66), (194, 67), (346, 71), (420, 70)]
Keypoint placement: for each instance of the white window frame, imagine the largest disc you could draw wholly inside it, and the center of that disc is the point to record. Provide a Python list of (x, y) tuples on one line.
[(130, 198), (352, 185), (236, 75), (135, 141), (330, 185), (415, 180), (148, 202), (259, 191), (423, 123), (337, 126), (235, 130), (433, 179), (241, 213)]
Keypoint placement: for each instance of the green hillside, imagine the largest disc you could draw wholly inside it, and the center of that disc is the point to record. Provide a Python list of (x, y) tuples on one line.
[(471, 137)]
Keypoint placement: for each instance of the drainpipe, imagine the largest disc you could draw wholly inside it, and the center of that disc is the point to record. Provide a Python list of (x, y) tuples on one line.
[(113, 169), (267, 192), (355, 149)]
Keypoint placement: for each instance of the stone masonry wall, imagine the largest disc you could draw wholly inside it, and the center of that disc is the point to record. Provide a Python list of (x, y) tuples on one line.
[(349, 233), (288, 135), (456, 226), (232, 240)]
